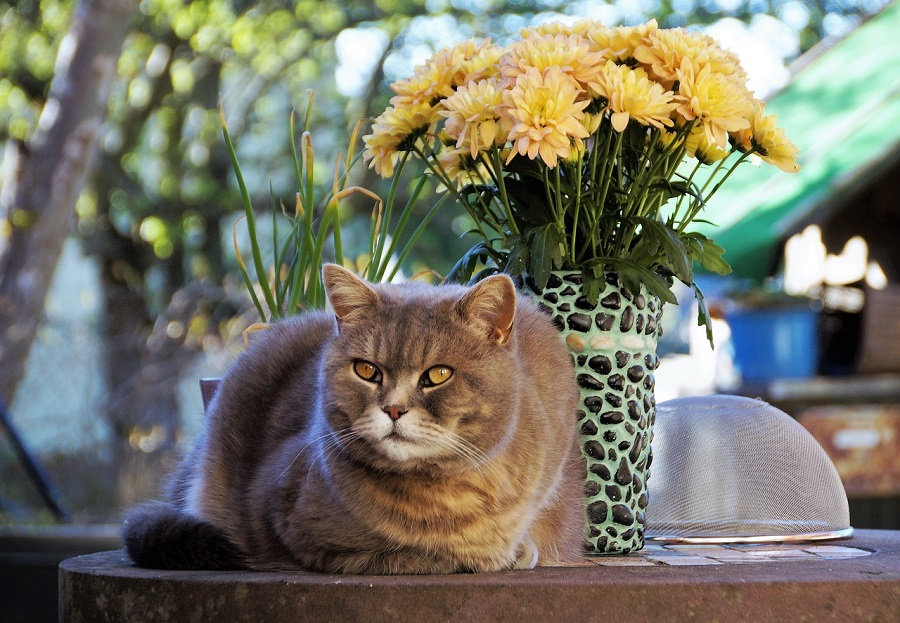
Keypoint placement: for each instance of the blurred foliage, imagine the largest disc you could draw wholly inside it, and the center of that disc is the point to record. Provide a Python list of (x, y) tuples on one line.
[(165, 189), (159, 211)]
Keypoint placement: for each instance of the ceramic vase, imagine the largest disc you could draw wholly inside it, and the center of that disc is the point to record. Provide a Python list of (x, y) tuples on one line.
[(613, 346)]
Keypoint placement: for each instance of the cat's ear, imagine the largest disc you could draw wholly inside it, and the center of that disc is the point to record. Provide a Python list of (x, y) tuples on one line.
[(347, 293), (491, 305)]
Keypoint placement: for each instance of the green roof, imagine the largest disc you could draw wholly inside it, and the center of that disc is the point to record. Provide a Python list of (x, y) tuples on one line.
[(843, 111)]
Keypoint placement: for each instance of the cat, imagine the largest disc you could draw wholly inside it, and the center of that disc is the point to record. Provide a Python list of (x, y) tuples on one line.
[(413, 429)]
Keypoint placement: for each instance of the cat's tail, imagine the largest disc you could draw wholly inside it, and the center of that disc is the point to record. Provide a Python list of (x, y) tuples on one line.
[(159, 536)]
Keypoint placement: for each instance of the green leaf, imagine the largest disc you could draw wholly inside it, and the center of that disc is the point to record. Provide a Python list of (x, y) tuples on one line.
[(592, 284), (671, 188), (671, 245), (408, 247), (463, 270), (707, 253), (546, 252), (633, 276), (518, 255), (487, 271), (646, 251), (251, 229), (527, 199), (703, 317)]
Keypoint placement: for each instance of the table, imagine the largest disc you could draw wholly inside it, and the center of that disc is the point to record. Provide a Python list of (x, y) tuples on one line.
[(857, 579)]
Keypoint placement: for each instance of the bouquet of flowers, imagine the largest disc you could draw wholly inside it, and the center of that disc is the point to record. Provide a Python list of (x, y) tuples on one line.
[(582, 147)]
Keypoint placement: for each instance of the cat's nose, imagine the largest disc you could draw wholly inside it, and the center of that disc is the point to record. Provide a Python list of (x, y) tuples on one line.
[(394, 411)]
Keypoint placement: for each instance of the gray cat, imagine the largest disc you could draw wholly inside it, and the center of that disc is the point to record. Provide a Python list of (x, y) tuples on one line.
[(416, 429)]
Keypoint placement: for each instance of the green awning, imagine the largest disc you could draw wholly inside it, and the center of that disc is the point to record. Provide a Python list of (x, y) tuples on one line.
[(843, 112)]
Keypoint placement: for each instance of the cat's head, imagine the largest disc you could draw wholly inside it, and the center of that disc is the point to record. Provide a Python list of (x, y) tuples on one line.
[(421, 377)]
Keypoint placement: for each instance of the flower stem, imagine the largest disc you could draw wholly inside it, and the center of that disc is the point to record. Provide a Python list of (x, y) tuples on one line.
[(577, 211), (610, 163), (435, 167), (699, 205), (501, 186)]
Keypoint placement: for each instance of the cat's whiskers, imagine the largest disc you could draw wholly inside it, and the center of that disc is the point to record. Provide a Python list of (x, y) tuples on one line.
[(480, 460), (327, 437), (339, 442), (332, 447), (367, 429), (481, 463), (332, 444), (457, 445)]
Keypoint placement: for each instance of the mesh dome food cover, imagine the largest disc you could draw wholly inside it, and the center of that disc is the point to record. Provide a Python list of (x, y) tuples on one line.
[(728, 469)]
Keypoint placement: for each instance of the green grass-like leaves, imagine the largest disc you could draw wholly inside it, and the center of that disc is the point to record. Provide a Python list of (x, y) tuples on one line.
[(291, 280)]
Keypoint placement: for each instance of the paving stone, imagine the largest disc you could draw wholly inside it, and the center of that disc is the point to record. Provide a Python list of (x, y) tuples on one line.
[(684, 561), (626, 561)]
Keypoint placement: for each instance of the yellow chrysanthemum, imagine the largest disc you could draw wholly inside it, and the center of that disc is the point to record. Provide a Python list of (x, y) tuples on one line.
[(697, 145), (554, 28), (771, 143), (397, 130), (726, 63), (483, 64), (743, 139), (428, 85), (437, 78), (462, 168), (546, 115), (665, 52), (593, 120), (473, 116), (719, 104), (460, 55), (571, 54), (619, 43), (632, 95)]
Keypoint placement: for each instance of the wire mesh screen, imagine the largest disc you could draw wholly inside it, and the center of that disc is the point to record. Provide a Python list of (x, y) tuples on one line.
[(729, 469)]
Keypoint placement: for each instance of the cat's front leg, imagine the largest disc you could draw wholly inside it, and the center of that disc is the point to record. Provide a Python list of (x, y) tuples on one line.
[(526, 555)]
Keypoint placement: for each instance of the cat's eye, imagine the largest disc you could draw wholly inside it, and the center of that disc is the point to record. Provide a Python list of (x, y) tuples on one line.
[(436, 376), (367, 371)]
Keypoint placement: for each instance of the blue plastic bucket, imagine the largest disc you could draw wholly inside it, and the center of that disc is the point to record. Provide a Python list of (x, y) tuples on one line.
[(774, 343)]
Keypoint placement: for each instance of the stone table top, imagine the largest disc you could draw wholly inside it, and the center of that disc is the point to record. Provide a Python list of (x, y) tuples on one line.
[(857, 579)]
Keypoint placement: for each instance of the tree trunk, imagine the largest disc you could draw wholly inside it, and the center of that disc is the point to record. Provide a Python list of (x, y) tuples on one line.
[(57, 161)]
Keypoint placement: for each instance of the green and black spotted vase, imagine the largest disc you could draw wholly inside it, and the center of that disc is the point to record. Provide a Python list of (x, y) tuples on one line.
[(613, 345)]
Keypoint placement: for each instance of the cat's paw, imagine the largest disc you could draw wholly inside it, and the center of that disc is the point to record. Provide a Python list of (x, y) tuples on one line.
[(526, 555)]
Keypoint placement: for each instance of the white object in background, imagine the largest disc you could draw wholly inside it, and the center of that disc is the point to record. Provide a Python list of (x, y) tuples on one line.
[(807, 263)]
